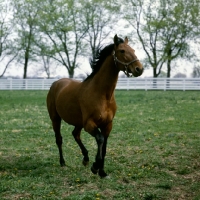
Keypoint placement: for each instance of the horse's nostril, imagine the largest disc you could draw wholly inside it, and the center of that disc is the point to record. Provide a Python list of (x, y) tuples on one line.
[(137, 69)]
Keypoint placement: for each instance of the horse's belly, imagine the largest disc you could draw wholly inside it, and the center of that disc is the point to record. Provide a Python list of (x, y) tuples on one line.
[(70, 115), (67, 104), (73, 120)]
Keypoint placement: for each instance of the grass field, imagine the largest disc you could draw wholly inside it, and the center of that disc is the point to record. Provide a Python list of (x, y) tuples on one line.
[(153, 150)]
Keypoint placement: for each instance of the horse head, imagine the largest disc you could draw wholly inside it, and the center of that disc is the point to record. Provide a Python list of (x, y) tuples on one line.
[(125, 58)]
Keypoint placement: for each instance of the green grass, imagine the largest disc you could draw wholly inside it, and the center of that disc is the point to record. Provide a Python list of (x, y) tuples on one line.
[(153, 150)]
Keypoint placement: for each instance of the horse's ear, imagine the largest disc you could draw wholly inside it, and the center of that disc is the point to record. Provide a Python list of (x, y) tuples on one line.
[(116, 39), (126, 40)]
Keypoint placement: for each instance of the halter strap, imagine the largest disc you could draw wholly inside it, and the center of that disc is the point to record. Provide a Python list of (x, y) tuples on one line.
[(123, 63)]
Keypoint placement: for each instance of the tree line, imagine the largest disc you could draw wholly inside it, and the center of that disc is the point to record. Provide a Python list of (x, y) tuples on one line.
[(57, 32)]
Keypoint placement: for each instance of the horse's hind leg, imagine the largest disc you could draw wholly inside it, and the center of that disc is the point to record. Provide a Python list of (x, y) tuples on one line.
[(76, 133), (56, 127)]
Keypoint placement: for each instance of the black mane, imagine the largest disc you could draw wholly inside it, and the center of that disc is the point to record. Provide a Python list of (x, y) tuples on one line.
[(100, 56)]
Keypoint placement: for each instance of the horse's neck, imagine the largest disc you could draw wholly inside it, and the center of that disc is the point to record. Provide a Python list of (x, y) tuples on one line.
[(106, 78)]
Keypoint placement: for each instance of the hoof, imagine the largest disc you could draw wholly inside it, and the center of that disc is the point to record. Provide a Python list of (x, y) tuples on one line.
[(62, 164), (94, 171), (85, 163), (102, 174)]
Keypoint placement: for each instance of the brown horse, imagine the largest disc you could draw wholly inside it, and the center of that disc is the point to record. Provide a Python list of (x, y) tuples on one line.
[(91, 104)]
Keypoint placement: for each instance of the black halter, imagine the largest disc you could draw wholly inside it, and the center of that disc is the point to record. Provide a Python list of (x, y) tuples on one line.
[(123, 63)]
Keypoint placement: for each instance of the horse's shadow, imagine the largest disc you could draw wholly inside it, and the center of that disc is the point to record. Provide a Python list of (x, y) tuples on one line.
[(26, 165)]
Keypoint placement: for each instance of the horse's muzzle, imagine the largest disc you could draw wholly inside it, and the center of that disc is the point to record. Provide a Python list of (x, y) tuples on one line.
[(139, 71), (136, 71)]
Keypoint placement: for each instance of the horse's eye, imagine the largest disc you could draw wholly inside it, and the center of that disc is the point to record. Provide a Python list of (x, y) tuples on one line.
[(122, 51)]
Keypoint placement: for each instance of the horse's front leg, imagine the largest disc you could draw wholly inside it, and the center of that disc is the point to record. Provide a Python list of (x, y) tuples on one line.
[(105, 131), (101, 138), (99, 162), (102, 173)]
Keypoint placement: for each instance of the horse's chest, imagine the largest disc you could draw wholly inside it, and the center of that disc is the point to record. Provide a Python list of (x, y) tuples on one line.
[(97, 113), (107, 116), (106, 113)]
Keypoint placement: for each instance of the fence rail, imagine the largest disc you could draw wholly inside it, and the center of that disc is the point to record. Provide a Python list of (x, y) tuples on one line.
[(123, 84)]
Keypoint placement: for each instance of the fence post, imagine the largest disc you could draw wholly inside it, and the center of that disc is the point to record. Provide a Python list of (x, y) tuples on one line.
[(145, 84), (26, 84), (43, 84), (10, 83), (165, 80), (127, 84)]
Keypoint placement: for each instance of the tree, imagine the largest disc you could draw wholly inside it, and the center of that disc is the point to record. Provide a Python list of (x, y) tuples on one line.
[(180, 75), (196, 72), (41, 51), (63, 25), (7, 54), (163, 29), (25, 15), (177, 32), (162, 74), (100, 18)]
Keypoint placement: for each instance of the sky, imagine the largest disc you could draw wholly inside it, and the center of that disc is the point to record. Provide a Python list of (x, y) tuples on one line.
[(180, 66), (183, 66), (35, 70)]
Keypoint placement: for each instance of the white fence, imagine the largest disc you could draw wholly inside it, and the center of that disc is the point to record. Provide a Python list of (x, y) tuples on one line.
[(123, 84)]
